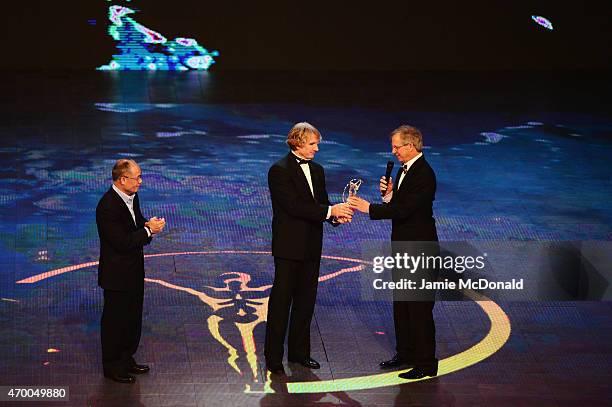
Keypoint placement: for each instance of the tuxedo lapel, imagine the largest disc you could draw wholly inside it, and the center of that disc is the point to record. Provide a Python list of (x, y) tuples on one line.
[(299, 175), (408, 176), (415, 167), (125, 212), (397, 178), (315, 175), (137, 212)]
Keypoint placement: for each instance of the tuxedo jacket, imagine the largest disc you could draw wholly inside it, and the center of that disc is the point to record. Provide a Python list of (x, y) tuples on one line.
[(121, 266), (297, 222), (411, 207)]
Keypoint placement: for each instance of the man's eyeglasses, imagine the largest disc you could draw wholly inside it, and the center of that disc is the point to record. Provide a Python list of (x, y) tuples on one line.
[(396, 148), (139, 178)]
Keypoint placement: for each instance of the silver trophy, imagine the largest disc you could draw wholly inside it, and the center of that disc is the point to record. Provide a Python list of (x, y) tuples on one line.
[(351, 189)]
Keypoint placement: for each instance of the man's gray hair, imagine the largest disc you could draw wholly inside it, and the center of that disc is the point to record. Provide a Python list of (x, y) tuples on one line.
[(409, 135), (122, 167)]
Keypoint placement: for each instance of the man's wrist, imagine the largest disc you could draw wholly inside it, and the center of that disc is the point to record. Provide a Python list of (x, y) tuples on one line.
[(387, 197), (149, 231)]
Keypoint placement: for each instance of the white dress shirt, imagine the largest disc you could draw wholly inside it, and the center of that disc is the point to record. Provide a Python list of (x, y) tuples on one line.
[(306, 169), (406, 166), (129, 202)]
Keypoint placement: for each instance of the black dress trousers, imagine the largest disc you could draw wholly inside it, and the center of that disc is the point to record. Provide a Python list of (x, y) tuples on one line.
[(121, 327), (292, 303)]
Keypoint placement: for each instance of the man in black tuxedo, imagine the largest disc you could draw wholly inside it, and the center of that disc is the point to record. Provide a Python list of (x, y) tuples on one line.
[(300, 205), (123, 232), (409, 206)]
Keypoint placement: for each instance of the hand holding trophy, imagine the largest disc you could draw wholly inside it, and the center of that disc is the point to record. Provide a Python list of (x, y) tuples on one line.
[(350, 196), (350, 189)]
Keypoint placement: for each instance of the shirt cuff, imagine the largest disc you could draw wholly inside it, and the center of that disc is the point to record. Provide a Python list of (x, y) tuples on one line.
[(328, 213), (149, 234), (387, 198)]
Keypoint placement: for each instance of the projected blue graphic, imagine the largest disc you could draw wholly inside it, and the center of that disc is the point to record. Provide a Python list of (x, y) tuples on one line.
[(205, 171), (544, 22), (142, 49)]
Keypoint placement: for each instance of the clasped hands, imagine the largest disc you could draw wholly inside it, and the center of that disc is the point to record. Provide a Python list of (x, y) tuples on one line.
[(156, 225)]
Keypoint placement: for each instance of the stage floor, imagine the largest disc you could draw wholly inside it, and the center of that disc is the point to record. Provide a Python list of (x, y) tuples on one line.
[(517, 157)]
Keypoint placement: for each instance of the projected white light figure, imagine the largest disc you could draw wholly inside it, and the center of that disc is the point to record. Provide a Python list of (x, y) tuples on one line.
[(544, 22)]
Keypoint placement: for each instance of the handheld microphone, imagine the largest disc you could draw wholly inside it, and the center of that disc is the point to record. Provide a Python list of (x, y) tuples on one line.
[(390, 165)]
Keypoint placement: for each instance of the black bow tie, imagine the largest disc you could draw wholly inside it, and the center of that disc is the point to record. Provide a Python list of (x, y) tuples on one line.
[(405, 168), (301, 161)]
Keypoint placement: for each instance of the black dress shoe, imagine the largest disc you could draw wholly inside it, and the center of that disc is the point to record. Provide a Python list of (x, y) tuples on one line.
[(394, 362), (310, 363), (417, 373), (120, 377), (277, 369), (138, 369)]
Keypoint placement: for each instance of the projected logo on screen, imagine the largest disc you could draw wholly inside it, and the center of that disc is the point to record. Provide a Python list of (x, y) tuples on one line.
[(544, 22), (235, 306), (141, 48)]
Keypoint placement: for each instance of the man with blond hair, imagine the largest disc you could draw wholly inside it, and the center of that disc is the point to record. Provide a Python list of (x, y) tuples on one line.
[(123, 232), (300, 205)]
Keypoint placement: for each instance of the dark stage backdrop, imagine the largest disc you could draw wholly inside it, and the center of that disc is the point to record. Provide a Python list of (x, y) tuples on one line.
[(323, 35)]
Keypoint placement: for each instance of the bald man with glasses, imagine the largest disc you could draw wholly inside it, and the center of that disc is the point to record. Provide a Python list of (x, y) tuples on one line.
[(123, 232)]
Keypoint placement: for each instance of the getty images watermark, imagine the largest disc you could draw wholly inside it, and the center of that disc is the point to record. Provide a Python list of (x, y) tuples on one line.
[(500, 270), (429, 266)]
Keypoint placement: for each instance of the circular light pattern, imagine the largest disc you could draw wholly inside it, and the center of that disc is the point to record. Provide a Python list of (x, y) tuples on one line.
[(498, 334)]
